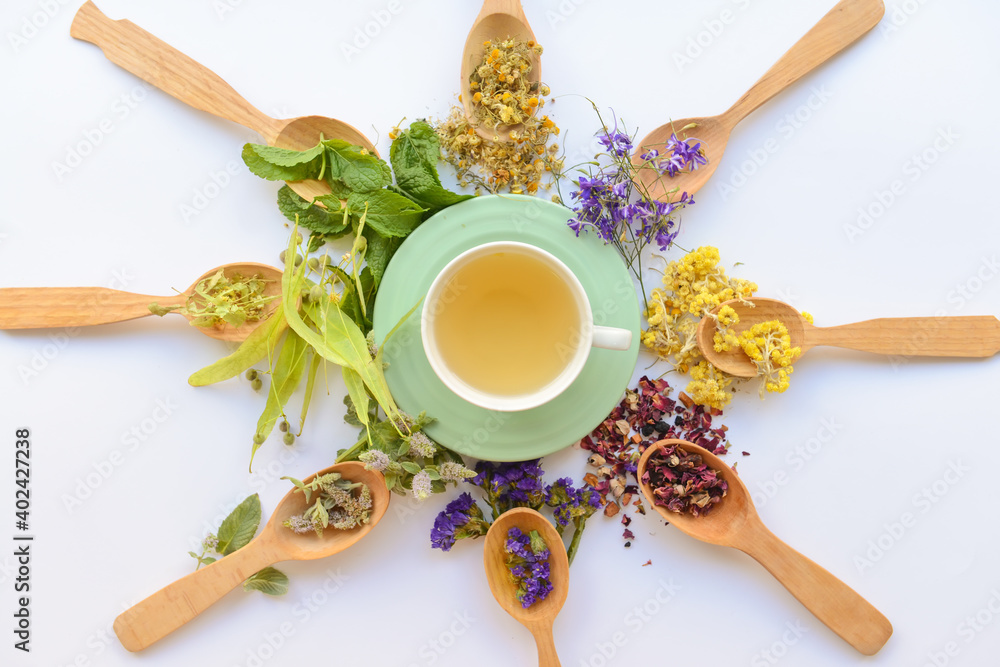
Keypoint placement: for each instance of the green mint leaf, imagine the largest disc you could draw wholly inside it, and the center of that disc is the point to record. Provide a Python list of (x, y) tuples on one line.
[(379, 253), (268, 581), (240, 526), (414, 155), (410, 467), (388, 213), (417, 144), (357, 169), (328, 221), (279, 164), (384, 437)]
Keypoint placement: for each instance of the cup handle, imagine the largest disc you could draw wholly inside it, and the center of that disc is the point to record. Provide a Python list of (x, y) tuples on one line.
[(611, 338)]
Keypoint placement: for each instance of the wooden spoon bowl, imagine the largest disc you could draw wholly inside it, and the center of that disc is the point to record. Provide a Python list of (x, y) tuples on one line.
[(497, 20), (169, 608), (159, 64), (969, 336), (841, 27), (713, 133), (540, 616), (734, 523), (49, 307)]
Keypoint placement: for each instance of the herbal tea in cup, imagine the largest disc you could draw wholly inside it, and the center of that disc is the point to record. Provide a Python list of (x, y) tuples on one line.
[(507, 326)]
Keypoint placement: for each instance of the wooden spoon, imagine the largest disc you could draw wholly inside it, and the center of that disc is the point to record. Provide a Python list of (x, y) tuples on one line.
[(171, 607), (841, 27), (158, 63), (966, 336), (734, 523), (498, 19), (539, 617), (48, 307)]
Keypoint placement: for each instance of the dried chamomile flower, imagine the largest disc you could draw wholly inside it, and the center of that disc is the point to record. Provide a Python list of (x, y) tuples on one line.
[(503, 95)]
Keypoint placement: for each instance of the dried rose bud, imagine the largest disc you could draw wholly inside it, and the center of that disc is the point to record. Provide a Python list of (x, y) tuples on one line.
[(596, 460)]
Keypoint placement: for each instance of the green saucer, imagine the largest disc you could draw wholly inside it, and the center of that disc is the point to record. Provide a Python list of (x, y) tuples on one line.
[(469, 429)]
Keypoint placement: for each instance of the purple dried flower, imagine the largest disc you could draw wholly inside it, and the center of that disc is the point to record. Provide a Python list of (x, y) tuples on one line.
[(510, 485), (460, 519), (527, 561)]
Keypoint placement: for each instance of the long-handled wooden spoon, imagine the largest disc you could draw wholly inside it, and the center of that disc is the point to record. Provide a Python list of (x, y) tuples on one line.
[(47, 307), (498, 19), (158, 63), (540, 616), (734, 523), (965, 336), (841, 27), (171, 607)]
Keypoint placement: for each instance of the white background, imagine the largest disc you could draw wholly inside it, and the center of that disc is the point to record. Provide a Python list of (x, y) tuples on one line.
[(123, 217)]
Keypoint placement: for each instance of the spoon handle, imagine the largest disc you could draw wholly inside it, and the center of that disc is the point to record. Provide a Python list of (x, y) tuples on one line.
[(171, 607), (832, 601), (156, 62), (967, 336), (546, 645), (842, 26), (47, 307)]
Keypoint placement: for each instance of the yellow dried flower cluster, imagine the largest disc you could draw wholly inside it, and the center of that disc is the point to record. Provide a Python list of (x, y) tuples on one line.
[(502, 94), (709, 386), (693, 286), (770, 349)]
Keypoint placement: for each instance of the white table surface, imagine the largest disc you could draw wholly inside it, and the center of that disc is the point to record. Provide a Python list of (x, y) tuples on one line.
[(152, 206)]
